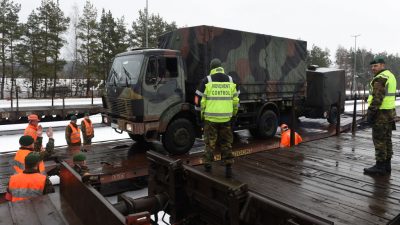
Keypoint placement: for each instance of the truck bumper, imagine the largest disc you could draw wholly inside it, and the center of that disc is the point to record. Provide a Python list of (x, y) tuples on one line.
[(141, 128)]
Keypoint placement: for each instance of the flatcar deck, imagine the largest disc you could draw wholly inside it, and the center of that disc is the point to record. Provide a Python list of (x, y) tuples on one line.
[(325, 178)]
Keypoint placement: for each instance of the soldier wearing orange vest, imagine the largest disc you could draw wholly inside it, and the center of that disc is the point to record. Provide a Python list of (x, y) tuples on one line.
[(87, 130), (30, 183), (285, 137), (33, 126), (73, 133), (27, 146)]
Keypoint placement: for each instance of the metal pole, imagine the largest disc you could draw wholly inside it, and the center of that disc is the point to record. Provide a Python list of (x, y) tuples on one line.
[(339, 109), (147, 23), (293, 122), (92, 94), (16, 94), (355, 62), (11, 95), (353, 127)]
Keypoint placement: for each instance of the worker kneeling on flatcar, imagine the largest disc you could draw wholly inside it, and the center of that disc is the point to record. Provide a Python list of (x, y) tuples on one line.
[(285, 137)]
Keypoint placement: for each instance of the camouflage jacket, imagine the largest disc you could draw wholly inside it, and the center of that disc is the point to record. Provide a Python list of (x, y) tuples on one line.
[(49, 147), (82, 170), (378, 93)]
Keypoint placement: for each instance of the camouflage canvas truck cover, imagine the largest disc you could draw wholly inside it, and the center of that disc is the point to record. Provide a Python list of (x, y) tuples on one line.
[(150, 92), (266, 67)]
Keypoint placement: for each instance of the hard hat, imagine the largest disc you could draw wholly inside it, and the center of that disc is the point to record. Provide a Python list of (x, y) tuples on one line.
[(33, 117), (284, 127)]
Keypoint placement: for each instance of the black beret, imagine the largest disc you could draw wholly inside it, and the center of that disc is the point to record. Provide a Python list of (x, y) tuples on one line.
[(32, 159), (215, 63)]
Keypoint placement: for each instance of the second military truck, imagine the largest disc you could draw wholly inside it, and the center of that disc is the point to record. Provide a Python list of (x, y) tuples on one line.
[(150, 92)]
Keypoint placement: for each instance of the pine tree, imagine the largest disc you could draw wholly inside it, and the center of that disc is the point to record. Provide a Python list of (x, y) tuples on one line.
[(58, 24), (28, 51), (10, 32), (318, 57), (87, 34), (156, 26)]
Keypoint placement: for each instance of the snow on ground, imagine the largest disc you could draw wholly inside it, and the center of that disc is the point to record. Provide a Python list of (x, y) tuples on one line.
[(47, 102), (10, 142)]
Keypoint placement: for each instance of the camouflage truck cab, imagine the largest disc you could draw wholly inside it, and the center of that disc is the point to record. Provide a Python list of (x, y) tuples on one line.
[(150, 92)]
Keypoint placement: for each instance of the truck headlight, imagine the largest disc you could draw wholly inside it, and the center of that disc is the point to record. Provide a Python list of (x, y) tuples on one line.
[(129, 127), (105, 120)]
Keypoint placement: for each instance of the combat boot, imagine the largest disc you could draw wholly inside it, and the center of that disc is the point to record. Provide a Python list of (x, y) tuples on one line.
[(207, 168), (378, 169), (228, 171), (388, 165)]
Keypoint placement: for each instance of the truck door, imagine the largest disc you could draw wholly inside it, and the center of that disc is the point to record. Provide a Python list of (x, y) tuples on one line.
[(162, 86)]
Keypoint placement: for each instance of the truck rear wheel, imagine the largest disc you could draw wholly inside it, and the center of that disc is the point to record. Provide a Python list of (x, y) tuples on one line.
[(267, 124), (136, 137), (179, 137)]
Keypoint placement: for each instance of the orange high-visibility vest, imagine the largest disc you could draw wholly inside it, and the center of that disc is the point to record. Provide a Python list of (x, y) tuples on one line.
[(285, 138), (19, 162), (75, 134), (31, 131), (89, 127), (24, 186)]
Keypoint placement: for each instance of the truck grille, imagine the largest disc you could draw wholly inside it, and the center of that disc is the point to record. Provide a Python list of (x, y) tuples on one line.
[(124, 107)]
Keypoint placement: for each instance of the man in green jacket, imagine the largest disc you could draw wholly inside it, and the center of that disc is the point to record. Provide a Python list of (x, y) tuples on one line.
[(381, 113)]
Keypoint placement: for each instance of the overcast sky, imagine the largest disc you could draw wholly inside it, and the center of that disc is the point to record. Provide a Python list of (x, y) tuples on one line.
[(326, 24)]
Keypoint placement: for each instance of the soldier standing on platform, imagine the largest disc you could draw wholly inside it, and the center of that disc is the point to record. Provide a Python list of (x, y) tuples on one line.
[(73, 133), (87, 130), (381, 113), (219, 104)]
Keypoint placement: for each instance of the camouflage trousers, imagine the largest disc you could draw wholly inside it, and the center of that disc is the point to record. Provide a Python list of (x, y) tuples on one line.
[(382, 138), (218, 134)]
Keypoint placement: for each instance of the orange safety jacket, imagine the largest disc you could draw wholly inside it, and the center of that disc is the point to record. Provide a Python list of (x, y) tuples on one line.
[(285, 138), (75, 134), (31, 130), (19, 161), (88, 127), (24, 186)]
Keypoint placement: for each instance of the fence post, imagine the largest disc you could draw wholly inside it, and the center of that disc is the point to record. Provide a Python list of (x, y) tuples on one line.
[(16, 95), (293, 122), (92, 94), (339, 105), (354, 125)]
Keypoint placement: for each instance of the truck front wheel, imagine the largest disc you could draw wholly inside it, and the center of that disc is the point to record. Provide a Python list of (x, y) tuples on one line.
[(267, 124), (179, 137)]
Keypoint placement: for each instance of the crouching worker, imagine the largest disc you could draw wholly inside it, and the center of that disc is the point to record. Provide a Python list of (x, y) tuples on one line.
[(80, 167), (285, 137), (30, 183)]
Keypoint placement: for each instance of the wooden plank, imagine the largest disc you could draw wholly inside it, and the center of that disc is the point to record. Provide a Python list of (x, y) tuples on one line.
[(5, 214), (23, 213), (65, 210), (47, 213)]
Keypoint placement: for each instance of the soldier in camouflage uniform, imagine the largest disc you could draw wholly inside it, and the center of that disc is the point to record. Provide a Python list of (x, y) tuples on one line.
[(381, 113), (219, 103)]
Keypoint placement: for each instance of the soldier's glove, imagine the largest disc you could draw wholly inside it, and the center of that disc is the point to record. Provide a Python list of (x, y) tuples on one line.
[(371, 116)]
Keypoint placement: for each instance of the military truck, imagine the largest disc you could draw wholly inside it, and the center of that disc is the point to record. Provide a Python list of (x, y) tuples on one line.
[(150, 92)]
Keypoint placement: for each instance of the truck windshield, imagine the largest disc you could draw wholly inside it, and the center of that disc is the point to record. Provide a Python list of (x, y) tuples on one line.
[(125, 70)]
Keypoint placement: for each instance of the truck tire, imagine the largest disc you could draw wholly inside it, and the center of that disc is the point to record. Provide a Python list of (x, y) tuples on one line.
[(179, 137), (136, 137), (267, 124), (332, 116)]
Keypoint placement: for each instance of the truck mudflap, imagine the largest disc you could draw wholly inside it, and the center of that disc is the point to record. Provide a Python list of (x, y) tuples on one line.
[(212, 199)]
